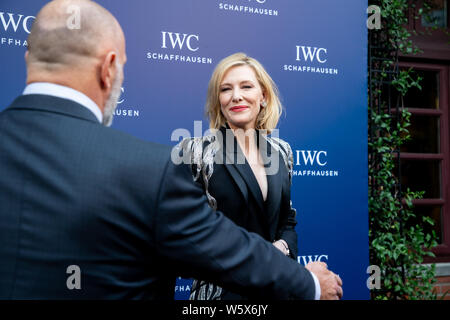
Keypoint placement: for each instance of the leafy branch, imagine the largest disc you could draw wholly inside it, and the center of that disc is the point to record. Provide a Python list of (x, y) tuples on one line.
[(399, 239)]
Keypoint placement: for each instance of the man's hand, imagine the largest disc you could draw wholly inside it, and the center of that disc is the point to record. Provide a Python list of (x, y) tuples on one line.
[(330, 283)]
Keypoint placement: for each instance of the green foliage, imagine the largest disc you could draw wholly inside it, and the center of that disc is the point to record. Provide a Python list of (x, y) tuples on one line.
[(398, 238), (395, 16), (405, 81)]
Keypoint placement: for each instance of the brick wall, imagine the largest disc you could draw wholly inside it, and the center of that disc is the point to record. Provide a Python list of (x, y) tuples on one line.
[(442, 285)]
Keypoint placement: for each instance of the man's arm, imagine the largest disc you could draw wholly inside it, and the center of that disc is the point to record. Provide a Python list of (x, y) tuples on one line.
[(207, 245)]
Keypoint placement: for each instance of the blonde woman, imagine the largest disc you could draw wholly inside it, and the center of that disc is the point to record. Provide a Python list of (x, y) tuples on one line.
[(245, 173)]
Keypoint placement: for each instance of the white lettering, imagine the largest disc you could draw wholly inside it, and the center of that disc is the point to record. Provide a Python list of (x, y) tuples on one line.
[(191, 309), (318, 156), (25, 24), (15, 24), (318, 52), (374, 281), (307, 259), (178, 40), (309, 53), (308, 158), (239, 309), (189, 42), (11, 20), (74, 280), (374, 21), (122, 90), (74, 20)]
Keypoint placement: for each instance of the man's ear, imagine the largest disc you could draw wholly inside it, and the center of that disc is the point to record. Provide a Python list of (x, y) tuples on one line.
[(108, 70)]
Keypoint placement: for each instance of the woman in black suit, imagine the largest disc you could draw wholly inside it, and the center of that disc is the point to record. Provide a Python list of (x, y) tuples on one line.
[(245, 173)]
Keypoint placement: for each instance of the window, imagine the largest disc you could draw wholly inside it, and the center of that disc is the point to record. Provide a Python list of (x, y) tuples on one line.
[(425, 159), (437, 15)]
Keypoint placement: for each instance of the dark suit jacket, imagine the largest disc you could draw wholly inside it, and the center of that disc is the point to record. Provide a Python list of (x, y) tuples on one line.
[(73, 192), (239, 196), (236, 190)]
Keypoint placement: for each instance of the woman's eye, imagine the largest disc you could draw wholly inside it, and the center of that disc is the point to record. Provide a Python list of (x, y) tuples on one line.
[(224, 89), (247, 87)]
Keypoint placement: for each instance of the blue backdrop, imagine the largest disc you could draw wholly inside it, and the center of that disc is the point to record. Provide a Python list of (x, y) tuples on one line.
[(315, 51)]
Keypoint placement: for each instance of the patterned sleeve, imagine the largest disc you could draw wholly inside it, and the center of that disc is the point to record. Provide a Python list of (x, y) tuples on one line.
[(199, 152), (286, 152)]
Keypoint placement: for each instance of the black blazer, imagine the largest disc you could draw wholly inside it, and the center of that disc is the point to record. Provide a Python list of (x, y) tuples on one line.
[(73, 192), (239, 197)]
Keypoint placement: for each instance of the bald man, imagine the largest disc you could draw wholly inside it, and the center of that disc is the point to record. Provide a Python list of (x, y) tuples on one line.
[(87, 212)]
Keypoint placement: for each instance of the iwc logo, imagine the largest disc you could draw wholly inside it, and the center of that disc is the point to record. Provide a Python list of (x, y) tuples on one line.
[(312, 163), (252, 7), (13, 24), (304, 260), (123, 110), (179, 47), (311, 59)]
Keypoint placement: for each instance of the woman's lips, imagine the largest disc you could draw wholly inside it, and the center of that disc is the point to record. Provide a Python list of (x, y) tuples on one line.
[(238, 108)]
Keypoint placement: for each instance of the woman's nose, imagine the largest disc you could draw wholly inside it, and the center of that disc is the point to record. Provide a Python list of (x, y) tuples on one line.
[(237, 96)]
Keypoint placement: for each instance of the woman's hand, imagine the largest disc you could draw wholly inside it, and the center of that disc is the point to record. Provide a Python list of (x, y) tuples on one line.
[(282, 246)]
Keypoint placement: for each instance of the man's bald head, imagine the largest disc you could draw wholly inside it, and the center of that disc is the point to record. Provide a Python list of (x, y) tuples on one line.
[(88, 58), (54, 44)]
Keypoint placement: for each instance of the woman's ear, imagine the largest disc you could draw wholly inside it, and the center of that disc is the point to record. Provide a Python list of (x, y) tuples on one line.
[(264, 100), (264, 103)]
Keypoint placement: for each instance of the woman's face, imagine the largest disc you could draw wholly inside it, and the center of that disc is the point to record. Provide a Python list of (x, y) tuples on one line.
[(240, 97)]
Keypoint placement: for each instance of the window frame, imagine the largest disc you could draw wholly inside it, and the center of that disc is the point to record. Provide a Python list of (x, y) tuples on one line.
[(442, 251)]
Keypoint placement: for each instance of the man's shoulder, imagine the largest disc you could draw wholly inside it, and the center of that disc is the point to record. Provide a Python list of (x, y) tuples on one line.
[(127, 144), (125, 138)]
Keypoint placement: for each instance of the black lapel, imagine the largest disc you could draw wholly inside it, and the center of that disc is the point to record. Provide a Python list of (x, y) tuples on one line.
[(46, 103), (239, 168), (274, 180), (228, 164)]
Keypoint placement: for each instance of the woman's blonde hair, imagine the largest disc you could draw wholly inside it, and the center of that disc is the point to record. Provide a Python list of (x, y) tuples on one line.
[(268, 116)]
